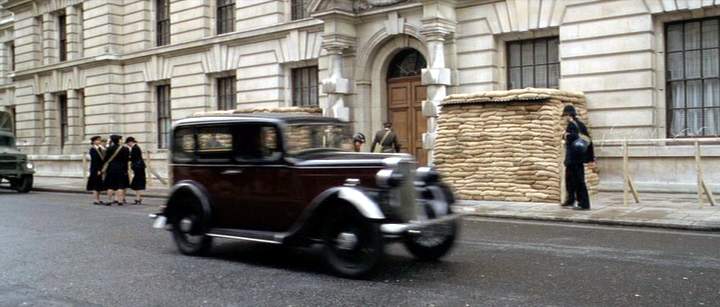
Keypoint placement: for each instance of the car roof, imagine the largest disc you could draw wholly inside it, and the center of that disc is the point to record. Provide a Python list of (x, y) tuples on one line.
[(276, 118)]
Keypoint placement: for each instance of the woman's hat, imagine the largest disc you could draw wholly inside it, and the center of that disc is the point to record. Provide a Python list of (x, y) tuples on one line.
[(130, 140)]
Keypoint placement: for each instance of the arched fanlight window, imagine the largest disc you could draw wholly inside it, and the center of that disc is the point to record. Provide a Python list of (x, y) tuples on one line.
[(406, 63)]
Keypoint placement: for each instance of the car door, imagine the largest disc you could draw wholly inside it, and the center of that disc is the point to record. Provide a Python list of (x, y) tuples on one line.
[(221, 176), (269, 182)]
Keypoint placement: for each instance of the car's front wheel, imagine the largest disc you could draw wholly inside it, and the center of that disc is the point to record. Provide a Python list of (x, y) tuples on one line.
[(433, 242), (187, 230), (353, 245), (23, 184)]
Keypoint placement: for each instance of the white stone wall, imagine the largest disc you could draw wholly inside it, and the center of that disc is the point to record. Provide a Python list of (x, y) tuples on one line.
[(610, 50)]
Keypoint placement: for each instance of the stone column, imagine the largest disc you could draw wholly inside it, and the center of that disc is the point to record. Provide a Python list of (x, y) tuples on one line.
[(437, 24), (336, 86), (74, 32), (51, 133), (49, 42), (75, 127)]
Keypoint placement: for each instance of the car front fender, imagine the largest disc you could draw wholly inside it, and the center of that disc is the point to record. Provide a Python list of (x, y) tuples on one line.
[(188, 188), (367, 207)]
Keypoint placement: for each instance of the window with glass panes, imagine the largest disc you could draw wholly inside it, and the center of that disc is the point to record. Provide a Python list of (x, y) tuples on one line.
[(226, 93), (162, 22), (225, 16), (63, 113), (693, 87), (164, 120), (533, 63), (62, 31), (299, 9), (305, 86)]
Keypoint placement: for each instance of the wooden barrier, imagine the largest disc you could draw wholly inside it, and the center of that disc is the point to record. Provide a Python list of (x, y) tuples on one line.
[(629, 184)]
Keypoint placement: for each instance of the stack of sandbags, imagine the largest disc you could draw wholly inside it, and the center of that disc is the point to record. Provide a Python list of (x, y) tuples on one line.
[(504, 145)]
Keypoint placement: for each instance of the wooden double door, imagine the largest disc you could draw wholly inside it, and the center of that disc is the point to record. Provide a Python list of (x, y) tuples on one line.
[(405, 97)]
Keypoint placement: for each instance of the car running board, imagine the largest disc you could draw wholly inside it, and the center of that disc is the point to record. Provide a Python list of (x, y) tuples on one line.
[(248, 235)]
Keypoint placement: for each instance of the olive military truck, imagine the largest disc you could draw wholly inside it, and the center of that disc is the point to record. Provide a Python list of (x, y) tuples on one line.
[(15, 168)]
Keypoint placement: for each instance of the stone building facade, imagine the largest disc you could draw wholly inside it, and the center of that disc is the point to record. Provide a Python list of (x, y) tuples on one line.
[(72, 68)]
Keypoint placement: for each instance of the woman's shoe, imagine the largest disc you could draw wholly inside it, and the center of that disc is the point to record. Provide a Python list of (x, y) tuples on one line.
[(98, 203), (121, 203), (109, 203), (138, 202)]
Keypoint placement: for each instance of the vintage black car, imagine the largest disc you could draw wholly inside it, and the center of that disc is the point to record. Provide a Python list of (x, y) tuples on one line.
[(292, 179), (15, 167)]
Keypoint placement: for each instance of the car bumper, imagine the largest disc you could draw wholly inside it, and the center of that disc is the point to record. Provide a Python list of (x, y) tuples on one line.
[(403, 228)]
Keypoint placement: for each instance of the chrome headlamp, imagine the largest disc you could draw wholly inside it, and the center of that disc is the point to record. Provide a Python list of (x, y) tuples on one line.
[(389, 178), (29, 165), (427, 175)]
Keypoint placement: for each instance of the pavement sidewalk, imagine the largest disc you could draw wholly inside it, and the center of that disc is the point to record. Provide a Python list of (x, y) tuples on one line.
[(666, 210), (678, 211)]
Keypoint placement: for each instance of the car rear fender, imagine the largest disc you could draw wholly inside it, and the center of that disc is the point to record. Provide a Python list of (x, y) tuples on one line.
[(182, 192)]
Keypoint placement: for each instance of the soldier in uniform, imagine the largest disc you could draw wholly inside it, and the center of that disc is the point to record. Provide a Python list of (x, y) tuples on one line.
[(385, 140)]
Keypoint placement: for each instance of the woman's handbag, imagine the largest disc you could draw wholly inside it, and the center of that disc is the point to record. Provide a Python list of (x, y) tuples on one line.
[(582, 143)]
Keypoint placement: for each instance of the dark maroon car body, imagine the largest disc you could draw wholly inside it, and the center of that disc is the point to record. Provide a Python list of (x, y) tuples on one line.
[(262, 188)]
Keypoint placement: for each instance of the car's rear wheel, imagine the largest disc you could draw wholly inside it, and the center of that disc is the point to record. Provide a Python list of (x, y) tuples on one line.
[(433, 242), (23, 184), (187, 230), (353, 245)]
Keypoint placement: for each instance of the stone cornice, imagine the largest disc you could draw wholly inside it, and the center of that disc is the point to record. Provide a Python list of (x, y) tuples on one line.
[(255, 35), (14, 4)]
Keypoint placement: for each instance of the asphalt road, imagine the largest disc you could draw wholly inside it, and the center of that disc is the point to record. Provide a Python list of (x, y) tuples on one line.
[(58, 250)]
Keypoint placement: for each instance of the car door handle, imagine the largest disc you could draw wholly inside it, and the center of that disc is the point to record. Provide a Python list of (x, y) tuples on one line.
[(232, 172)]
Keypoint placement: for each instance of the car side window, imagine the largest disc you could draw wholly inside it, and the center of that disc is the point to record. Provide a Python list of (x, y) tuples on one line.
[(183, 145), (257, 143), (214, 144)]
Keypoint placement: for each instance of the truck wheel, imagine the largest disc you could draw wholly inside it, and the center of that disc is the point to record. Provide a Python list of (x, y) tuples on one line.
[(432, 243), (353, 245), (187, 231), (23, 185)]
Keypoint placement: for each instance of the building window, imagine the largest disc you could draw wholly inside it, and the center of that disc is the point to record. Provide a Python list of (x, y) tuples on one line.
[(693, 87), (305, 86), (12, 118), (11, 55), (164, 119), (226, 93), (162, 16), (63, 113), (533, 63), (299, 9), (225, 16), (62, 37)]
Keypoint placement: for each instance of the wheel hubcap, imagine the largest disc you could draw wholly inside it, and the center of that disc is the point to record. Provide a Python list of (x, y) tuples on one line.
[(346, 241), (186, 225)]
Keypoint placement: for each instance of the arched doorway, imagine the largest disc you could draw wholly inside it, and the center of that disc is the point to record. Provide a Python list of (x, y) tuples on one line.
[(404, 104)]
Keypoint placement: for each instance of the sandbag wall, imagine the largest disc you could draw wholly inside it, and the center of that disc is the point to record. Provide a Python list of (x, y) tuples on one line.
[(505, 145)]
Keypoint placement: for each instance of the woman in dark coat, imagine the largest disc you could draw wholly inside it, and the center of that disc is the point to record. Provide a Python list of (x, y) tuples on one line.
[(115, 170), (94, 181), (137, 165)]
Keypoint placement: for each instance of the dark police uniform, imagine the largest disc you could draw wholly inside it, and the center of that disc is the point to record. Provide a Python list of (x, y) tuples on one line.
[(574, 165)]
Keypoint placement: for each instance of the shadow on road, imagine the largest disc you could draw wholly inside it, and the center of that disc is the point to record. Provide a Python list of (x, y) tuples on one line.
[(395, 266)]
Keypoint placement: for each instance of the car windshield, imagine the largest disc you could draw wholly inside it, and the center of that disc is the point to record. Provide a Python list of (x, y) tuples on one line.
[(304, 138), (7, 141)]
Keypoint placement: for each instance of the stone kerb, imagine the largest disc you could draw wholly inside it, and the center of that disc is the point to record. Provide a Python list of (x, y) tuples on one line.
[(505, 145)]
